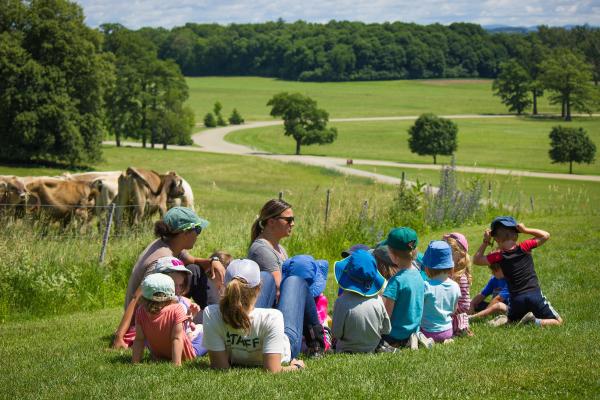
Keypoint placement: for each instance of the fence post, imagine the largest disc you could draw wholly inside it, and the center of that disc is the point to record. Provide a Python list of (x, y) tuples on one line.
[(281, 195), (402, 178), (109, 220), (489, 190), (531, 202), (327, 206)]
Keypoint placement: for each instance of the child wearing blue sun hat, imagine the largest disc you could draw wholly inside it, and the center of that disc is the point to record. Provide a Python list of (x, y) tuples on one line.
[(359, 316)]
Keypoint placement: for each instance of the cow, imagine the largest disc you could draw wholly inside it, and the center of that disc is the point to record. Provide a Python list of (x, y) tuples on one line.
[(62, 200), (13, 193), (186, 200), (105, 183), (143, 192)]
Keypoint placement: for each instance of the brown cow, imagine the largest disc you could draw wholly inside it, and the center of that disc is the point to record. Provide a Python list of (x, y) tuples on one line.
[(62, 200), (13, 194), (105, 183), (143, 192)]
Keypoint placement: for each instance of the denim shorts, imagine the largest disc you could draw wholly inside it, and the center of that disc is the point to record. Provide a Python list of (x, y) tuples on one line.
[(533, 301)]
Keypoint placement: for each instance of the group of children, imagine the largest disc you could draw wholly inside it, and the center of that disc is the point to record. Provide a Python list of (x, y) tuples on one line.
[(390, 296)]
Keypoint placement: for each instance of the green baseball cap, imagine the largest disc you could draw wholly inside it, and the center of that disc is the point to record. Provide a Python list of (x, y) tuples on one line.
[(183, 219), (401, 239), (158, 287)]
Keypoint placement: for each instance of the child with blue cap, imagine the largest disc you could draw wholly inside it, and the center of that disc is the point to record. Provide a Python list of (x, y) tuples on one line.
[(359, 316), (441, 293), (527, 303)]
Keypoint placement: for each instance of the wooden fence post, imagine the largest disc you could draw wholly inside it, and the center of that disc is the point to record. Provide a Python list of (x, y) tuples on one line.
[(327, 206), (107, 232), (281, 195)]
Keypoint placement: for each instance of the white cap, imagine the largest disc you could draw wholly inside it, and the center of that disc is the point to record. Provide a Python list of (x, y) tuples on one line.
[(246, 269)]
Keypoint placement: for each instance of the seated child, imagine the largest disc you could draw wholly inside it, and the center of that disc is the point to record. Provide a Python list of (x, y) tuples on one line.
[(159, 323), (527, 303), (441, 293), (498, 289), (359, 316), (403, 295), (461, 274)]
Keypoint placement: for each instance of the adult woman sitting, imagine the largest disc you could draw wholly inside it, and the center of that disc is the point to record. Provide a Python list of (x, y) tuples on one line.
[(275, 222), (236, 332), (177, 232)]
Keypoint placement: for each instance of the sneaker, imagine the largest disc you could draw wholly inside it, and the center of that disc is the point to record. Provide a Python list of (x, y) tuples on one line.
[(315, 341), (413, 342), (498, 321), (424, 340), (385, 347), (527, 319)]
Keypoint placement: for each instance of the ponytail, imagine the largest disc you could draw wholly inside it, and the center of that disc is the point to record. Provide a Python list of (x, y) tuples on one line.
[(271, 209), (236, 303)]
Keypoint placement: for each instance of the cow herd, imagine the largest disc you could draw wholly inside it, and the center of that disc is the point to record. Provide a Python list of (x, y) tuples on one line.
[(136, 193)]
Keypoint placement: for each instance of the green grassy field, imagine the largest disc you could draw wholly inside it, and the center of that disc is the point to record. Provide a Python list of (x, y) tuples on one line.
[(550, 196), (519, 143), (349, 99), (68, 356)]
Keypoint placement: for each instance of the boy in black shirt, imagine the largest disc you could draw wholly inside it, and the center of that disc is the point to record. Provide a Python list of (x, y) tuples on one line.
[(527, 303)]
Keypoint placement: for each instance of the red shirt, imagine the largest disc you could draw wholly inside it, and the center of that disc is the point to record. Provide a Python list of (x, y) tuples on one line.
[(157, 330), (517, 267)]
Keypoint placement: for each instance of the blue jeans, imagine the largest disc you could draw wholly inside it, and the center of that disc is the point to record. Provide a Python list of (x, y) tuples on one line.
[(295, 303)]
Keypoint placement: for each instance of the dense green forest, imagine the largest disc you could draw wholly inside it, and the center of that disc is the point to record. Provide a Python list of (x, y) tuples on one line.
[(342, 50)]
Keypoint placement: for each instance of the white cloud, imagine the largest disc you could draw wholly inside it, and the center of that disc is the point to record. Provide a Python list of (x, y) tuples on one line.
[(168, 13)]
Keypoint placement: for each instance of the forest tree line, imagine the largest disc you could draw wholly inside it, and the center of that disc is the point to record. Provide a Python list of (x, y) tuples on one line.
[(342, 50)]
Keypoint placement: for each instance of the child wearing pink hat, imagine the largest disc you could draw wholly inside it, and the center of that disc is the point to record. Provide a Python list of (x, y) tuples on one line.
[(461, 274)]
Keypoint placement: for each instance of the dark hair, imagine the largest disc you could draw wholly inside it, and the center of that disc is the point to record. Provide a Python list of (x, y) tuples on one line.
[(495, 267), (163, 231), (271, 209)]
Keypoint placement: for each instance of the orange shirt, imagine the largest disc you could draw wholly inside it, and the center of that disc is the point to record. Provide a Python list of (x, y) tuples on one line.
[(157, 330)]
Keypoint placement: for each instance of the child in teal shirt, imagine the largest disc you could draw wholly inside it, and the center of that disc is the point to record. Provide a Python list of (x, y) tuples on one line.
[(403, 296)]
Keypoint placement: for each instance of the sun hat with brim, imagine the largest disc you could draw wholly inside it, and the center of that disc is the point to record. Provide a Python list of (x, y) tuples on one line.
[(506, 221), (183, 219), (245, 269), (352, 249), (460, 238), (314, 272), (165, 265), (158, 287), (358, 273), (402, 239), (438, 255)]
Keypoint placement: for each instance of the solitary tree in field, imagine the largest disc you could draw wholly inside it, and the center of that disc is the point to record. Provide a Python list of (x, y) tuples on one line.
[(513, 86), (432, 135), (571, 145), (568, 75), (302, 120)]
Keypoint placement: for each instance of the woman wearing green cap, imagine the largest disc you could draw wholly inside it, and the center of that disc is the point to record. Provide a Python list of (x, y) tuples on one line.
[(176, 233)]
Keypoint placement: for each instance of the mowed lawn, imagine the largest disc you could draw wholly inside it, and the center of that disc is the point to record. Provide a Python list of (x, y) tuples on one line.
[(548, 195), (68, 356), (349, 99), (513, 143)]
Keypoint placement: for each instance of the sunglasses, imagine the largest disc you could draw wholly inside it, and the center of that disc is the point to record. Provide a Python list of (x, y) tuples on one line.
[(289, 220), (197, 229)]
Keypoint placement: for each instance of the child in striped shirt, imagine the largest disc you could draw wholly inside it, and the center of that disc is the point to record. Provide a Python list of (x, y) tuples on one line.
[(461, 274)]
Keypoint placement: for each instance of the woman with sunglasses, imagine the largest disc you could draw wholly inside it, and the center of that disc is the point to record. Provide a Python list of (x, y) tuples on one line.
[(275, 222), (176, 232)]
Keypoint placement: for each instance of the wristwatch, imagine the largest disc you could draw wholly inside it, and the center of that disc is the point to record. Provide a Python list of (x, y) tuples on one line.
[(214, 258)]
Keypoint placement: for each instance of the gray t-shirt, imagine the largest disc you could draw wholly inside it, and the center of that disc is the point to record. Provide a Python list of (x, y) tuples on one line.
[(265, 256), (359, 322)]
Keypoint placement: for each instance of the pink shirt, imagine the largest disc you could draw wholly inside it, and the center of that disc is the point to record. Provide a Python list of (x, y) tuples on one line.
[(157, 330), (464, 301)]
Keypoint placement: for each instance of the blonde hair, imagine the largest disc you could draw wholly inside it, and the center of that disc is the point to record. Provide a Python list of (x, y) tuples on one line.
[(462, 267), (154, 307), (236, 302)]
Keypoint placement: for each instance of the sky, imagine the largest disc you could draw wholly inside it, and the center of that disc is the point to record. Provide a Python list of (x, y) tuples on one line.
[(169, 13)]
